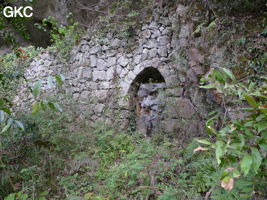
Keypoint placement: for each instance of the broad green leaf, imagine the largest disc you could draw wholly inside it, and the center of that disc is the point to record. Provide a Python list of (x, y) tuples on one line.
[(37, 88), (203, 141), (2, 102), (60, 79), (236, 173), (261, 125), (11, 196), (35, 107), (211, 130), (256, 158), (219, 76), (50, 81), (44, 105), (219, 150), (19, 124), (55, 106), (246, 163), (52, 106), (6, 110), (8, 125), (251, 101), (229, 73)]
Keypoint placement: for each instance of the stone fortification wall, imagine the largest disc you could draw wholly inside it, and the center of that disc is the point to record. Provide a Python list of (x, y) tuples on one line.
[(104, 76)]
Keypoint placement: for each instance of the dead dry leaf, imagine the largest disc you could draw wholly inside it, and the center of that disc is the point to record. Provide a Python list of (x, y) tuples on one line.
[(200, 149), (228, 185)]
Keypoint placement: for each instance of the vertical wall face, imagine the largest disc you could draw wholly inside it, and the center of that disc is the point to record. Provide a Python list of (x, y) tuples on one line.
[(110, 82)]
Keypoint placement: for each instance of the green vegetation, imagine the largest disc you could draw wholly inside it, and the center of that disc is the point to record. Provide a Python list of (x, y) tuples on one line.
[(41, 158)]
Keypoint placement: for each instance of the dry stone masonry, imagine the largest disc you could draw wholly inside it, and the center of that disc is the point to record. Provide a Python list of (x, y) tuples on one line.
[(113, 78)]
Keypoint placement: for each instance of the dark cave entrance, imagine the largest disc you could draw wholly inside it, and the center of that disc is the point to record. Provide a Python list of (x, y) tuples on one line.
[(146, 103)]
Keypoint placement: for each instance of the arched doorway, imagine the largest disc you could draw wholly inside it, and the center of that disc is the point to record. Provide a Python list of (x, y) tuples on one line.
[(146, 103)]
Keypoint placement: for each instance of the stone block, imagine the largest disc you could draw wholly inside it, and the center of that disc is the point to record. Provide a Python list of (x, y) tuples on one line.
[(98, 108), (115, 43), (101, 64), (162, 51), (145, 34), (101, 95), (153, 53), (99, 75), (172, 81), (95, 49), (137, 59), (111, 61), (85, 48), (123, 61), (87, 74), (91, 85), (93, 61), (130, 77), (164, 40), (110, 73), (85, 95), (179, 108), (151, 44)]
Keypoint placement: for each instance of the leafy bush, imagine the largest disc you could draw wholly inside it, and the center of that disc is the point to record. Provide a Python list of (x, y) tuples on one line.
[(63, 37), (240, 146)]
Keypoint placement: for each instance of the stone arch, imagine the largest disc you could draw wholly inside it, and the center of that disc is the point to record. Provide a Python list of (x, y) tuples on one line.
[(144, 102)]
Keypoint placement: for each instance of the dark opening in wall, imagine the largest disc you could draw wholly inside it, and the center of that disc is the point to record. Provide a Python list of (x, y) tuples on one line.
[(145, 103), (149, 75)]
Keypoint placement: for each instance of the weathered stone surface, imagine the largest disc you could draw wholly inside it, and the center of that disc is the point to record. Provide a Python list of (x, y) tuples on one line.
[(101, 95), (162, 51), (172, 125), (111, 61), (130, 77), (164, 40), (85, 95), (85, 48), (95, 49), (99, 75), (101, 70), (123, 61), (110, 73), (93, 61), (116, 43), (175, 92), (156, 34), (195, 57), (179, 108), (151, 44), (98, 108), (87, 74), (172, 81), (137, 59), (92, 85), (146, 34), (101, 64)]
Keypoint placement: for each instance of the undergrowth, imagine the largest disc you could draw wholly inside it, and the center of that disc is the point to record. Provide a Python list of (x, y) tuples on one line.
[(46, 161)]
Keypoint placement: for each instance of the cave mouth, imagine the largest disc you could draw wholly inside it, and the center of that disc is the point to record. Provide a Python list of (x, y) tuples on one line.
[(148, 75), (145, 103)]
